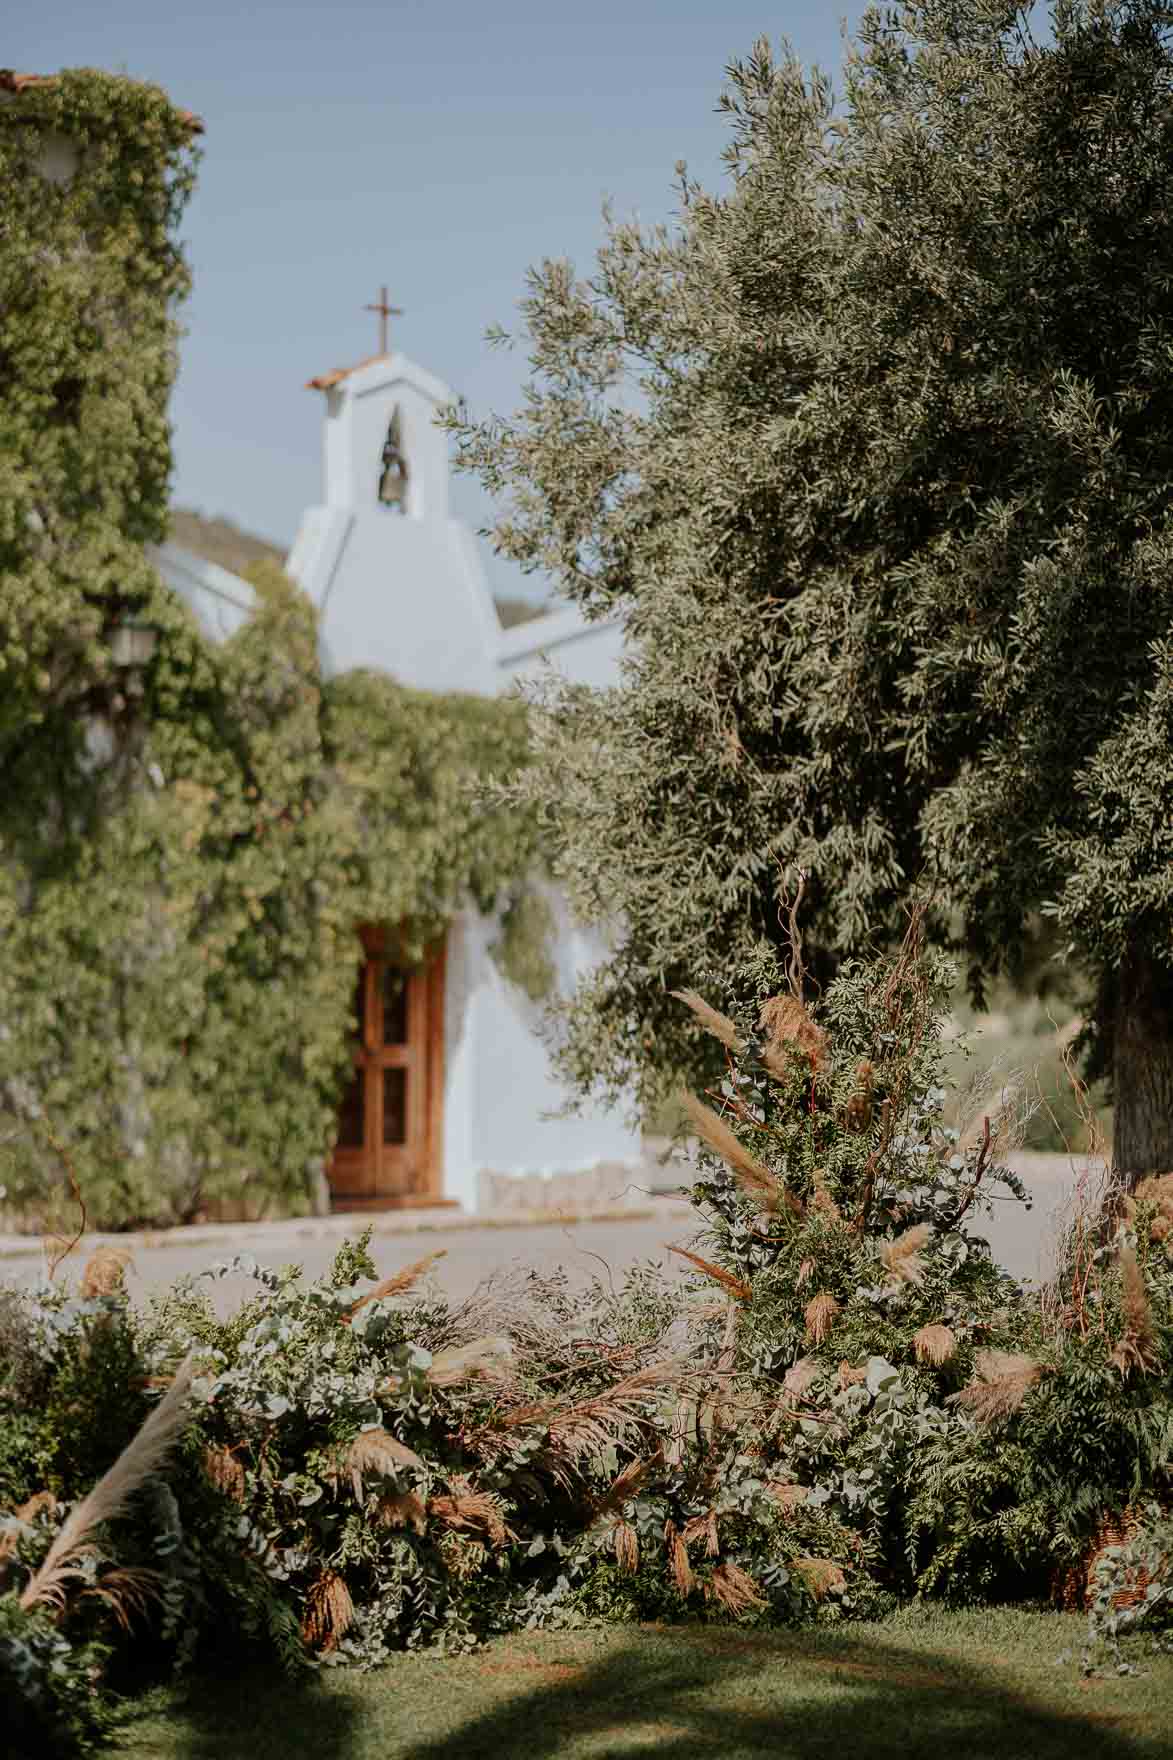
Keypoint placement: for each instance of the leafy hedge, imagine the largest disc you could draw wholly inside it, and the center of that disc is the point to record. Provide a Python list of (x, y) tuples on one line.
[(179, 926), (848, 1406)]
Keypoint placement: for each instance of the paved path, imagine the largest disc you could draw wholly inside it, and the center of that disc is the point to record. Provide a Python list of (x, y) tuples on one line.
[(1020, 1239)]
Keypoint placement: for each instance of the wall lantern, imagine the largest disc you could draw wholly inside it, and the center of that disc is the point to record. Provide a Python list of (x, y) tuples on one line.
[(132, 647)]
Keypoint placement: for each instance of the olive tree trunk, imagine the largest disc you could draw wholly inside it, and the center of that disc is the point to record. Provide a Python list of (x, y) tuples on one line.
[(1143, 1069)]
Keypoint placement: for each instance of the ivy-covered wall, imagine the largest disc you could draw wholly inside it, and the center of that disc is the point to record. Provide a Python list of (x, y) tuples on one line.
[(181, 876)]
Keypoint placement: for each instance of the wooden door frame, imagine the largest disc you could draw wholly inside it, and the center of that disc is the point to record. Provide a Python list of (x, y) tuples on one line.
[(378, 943)]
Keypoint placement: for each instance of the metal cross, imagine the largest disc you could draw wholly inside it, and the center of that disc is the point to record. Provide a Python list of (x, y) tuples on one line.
[(385, 311)]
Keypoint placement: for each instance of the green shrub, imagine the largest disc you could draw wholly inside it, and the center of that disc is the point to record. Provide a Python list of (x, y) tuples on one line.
[(848, 1406), (971, 1432)]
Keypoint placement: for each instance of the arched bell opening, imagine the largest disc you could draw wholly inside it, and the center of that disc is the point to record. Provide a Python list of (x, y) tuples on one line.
[(394, 478)]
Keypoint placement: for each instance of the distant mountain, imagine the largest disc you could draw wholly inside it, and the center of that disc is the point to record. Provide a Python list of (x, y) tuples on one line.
[(222, 542)]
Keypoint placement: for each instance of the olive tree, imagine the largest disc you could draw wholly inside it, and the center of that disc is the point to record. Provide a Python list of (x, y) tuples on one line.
[(873, 453)]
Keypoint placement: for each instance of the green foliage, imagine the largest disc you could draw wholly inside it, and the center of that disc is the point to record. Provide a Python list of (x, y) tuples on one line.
[(180, 959), (90, 276), (406, 763), (871, 453), (179, 975), (971, 1432), (48, 1685), (523, 949)]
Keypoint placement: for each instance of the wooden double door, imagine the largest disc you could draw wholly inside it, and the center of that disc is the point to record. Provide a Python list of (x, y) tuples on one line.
[(388, 1152)]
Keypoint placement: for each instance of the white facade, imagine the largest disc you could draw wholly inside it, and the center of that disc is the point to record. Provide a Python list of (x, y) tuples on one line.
[(401, 589)]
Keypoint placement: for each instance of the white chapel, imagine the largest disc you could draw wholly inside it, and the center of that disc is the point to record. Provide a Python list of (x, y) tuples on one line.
[(451, 1083)]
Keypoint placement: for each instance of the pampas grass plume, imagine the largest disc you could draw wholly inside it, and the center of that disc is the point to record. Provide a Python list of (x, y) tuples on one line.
[(1137, 1346), (822, 1576), (226, 1472), (139, 1461), (800, 1375), (736, 1286), (470, 1510), (402, 1509), (719, 1025), (483, 1359), (819, 1315), (756, 1181), (678, 1560), (377, 1451), (1002, 1382), (788, 1029), (823, 1200), (104, 1271), (734, 1588), (329, 1611), (787, 1497), (625, 1545), (902, 1256), (398, 1283), (935, 1345)]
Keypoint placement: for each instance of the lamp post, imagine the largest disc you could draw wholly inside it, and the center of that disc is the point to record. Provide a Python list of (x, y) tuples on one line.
[(132, 645), (110, 722)]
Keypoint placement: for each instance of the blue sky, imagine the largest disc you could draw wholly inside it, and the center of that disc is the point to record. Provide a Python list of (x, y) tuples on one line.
[(439, 146)]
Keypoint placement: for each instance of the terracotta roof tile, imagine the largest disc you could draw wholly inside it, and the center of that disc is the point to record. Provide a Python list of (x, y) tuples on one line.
[(11, 81), (325, 381)]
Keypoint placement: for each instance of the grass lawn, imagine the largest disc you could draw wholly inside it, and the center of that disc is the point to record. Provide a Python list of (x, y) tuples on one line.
[(920, 1687)]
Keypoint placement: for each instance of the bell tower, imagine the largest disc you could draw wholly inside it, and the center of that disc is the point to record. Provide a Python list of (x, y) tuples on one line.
[(381, 445), (397, 581)]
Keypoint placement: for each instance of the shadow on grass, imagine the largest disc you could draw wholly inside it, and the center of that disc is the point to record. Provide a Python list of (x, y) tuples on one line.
[(680, 1693), (253, 1715), (730, 1696)]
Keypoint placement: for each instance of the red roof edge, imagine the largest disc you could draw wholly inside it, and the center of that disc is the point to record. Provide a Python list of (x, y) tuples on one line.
[(11, 81)]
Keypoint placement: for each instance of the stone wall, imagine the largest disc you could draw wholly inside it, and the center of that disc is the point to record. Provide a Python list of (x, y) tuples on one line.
[(609, 1185)]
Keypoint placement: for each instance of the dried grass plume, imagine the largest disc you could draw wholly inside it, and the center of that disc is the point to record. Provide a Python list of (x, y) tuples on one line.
[(789, 1030), (734, 1588), (377, 1451), (625, 1545), (799, 1377), (756, 1181), (823, 1200), (934, 1345), (902, 1256), (328, 1611), (1001, 1383), (735, 1285), (397, 1284), (226, 1472), (473, 1511), (787, 1497), (1156, 1190), (719, 1025), (139, 1461), (678, 1561), (1137, 1345), (819, 1315), (482, 1359), (104, 1271), (402, 1509), (822, 1576)]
